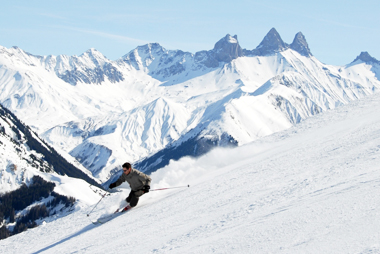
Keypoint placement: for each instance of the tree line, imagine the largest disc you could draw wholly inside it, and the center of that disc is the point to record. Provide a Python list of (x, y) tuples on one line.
[(25, 196)]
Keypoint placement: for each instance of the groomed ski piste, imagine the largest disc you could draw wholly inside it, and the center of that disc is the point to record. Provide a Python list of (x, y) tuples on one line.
[(313, 188)]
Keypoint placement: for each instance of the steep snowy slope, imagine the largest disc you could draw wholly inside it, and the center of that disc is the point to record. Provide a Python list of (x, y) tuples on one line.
[(309, 189), (24, 154), (25, 148), (144, 129), (35, 181)]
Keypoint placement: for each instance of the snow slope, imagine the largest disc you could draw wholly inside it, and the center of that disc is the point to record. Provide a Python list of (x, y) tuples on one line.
[(312, 188), (24, 155)]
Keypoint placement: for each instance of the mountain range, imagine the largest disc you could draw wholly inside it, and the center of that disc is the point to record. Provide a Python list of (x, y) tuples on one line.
[(154, 105)]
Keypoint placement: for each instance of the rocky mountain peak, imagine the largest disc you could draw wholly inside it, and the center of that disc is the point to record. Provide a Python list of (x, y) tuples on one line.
[(227, 49), (93, 52), (271, 43), (149, 49), (367, 58), (141, 56), (300, 45), (94, 56), (91, 67), (228, 39)]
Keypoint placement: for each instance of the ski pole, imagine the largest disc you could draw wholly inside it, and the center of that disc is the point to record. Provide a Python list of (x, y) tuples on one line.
[(97, 204), (170, 188)]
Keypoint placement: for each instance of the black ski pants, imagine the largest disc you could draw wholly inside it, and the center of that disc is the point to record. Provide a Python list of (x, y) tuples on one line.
[(133, 197)]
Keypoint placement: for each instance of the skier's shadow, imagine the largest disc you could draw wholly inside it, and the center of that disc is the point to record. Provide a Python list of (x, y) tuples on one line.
[(85, 229)]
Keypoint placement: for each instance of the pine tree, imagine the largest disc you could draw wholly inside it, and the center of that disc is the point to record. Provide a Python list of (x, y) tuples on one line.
[(4, 233), (12, 216)]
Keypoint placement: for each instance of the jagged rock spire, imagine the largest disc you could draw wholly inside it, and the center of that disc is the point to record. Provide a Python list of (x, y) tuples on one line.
[(271, 43), (367, 58), (300, 45), (227, 49)]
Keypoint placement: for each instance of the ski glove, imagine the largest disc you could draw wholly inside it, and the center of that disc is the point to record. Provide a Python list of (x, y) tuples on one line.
[(146, 188), (112, 185)]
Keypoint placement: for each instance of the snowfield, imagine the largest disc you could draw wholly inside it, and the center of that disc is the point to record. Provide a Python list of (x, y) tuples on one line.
[(313, 188)]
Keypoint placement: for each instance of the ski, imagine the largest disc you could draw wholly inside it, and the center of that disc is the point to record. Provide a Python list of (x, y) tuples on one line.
[(118, 212), (124, 209)]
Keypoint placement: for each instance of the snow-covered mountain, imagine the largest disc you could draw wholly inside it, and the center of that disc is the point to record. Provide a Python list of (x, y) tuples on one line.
[(35, 181), (153, 105), (17, 162), (312, 188), (24, 152)]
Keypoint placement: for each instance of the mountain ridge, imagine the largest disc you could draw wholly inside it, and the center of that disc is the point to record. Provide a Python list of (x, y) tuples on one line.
[(102, 113)]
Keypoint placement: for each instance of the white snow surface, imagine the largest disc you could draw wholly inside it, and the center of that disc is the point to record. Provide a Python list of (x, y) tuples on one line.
[(312, 188)]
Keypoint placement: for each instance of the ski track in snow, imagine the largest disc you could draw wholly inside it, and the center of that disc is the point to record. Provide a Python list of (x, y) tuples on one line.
[(310, 189)]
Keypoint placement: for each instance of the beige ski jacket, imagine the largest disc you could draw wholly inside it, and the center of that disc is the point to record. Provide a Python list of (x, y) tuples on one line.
[(135, 178)]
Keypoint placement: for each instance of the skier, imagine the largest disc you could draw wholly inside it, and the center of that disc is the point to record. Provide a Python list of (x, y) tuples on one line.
[(138, 181)]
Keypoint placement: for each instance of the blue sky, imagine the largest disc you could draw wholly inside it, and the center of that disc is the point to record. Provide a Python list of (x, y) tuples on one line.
[(336, 30)]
